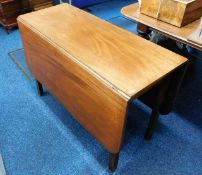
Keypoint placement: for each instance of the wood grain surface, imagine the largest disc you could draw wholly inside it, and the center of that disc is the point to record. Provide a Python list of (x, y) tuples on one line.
[(197, 35), (93, 68), (150, 8), (180, 13), (180, 34), (175, 12), (114, 55), (101, 111), (172, 12)]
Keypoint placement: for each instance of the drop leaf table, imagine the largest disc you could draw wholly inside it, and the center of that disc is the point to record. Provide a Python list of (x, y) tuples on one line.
[(96, 69)]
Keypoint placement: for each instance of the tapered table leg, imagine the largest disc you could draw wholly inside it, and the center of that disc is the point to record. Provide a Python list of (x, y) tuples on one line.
[(7, 30), (143, 30), (152, 124), (155, 111), (113, 161), (39, 88)]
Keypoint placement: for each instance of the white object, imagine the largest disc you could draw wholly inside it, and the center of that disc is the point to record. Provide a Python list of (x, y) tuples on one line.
[(139, 2), (2, 169), (69, 1)]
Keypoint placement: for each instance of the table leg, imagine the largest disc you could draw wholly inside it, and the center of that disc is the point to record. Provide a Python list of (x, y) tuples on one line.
[(113, 161), (155, 111), (142, 29), (7, 30), (152, 124), (39, 88)]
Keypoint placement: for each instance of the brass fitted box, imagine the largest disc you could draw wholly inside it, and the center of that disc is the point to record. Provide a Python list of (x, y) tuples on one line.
[(175, 12)]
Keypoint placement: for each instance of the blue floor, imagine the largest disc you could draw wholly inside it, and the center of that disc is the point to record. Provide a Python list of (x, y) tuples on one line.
[(39, 137)]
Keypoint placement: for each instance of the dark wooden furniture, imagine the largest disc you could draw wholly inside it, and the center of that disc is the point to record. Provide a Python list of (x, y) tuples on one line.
[(40, 4), (10, 10), (95, 69), (146, 24)]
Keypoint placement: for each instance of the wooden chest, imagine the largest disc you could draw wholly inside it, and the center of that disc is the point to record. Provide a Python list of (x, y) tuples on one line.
[(175, 12), (150, 8), (10, 10)]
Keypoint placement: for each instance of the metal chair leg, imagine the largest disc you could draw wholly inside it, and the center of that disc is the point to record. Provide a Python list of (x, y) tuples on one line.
[(39, 88), (113, 161), (152, 124)]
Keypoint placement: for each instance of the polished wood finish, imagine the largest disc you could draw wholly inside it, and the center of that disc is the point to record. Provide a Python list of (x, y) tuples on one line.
[(40, 4), (95, 69), (178, 34), (97, 107), (180, 12), (93, 49), (25, 6), (175, 12), (150, 7), (10, 10), (197, 35)]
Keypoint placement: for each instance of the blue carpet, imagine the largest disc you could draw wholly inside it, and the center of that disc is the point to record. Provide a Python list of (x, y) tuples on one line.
[(39, 137), (110, 9)]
